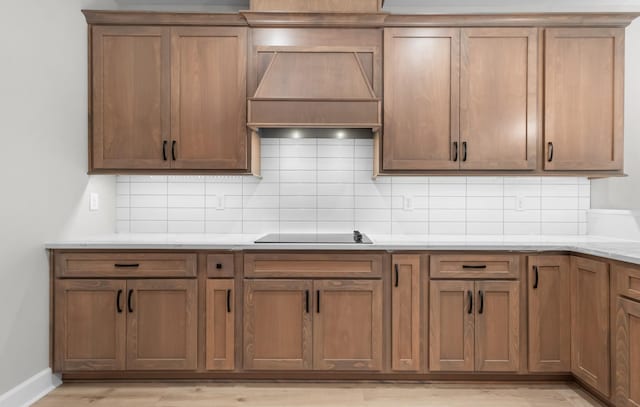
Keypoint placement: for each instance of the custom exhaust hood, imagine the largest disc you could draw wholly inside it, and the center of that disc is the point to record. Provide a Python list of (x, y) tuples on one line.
[(315, 92)]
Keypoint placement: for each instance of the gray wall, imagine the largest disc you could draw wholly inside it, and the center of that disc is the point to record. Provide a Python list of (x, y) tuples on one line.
[(43, 146)]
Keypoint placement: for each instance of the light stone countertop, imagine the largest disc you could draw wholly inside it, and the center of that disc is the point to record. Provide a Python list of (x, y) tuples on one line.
[(615, 249)]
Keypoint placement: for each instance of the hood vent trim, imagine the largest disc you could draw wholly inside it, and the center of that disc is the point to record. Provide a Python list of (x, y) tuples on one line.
[(315, 87)]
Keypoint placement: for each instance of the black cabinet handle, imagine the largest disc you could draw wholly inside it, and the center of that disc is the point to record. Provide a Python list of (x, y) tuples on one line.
[(129, 306), (164, 150), (481, 295), (318, 301), (455, 151), (173, 150), (536, 277), (464, 151), (126, 266), (306, 301), (470, 296), (219, 266), (118, 307), (228, 301), (550, 148), (397, 275), (478, 266)]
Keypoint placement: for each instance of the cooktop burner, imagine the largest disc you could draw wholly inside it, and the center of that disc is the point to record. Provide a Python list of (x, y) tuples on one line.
[(336, 238)]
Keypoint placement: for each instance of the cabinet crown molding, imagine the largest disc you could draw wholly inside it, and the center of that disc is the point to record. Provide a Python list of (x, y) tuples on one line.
[(370, 20)]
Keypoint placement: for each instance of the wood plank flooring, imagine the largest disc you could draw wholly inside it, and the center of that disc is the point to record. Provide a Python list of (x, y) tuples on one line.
[(317, 395)]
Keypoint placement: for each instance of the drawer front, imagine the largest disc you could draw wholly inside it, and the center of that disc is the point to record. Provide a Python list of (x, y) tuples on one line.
[(316, 265), (627, 281), (126, 265), (449, 266), (220, 265)]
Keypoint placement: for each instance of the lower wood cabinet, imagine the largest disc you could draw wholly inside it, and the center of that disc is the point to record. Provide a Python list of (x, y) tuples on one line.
[(627, 379), (277, 324), (126, 324), (220, 325), (90, 325), (405, 313), (590, 352), (303, 324), (549, 313), (474, 326)]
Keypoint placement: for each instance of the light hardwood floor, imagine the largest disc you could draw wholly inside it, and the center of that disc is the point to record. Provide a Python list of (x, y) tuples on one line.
[(317, 395)]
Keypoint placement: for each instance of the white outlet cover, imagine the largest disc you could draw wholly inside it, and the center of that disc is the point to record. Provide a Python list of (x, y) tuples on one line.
[(94, 202)]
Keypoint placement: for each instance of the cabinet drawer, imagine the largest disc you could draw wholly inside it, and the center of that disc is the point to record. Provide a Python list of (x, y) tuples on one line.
[(627, 281), (129, 265), (316, 265), (220, 265), (474, 266)]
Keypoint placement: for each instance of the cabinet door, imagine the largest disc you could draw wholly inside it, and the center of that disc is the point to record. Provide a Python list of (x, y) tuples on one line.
[(498, 326), (584, 86), (162, 324), (347, 325), (90, 325), (451, 326), (130, 87), (498, 83), (590, 322), (405, 313), (220, 326), (627, 380), (549, 313), (277, 324), (421, 92), (208, 98)]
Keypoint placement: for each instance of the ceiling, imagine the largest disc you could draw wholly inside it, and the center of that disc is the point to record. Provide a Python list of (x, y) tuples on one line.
[(404, 6)]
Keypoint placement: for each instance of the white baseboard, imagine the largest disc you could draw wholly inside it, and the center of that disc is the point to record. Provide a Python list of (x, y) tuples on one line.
[(31, 390)]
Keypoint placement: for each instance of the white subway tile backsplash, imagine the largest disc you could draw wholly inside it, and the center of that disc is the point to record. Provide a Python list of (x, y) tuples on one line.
[(327, 185)]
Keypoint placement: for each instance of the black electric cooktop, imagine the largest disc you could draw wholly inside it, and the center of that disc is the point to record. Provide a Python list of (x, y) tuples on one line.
[(330, 238)]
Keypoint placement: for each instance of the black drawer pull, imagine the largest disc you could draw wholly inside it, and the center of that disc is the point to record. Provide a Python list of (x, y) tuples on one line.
[(228, 301), (129, 306), (126, 266), (118, 307), (164, 150), (481, 295), (173, 150), (464, 151), (470, 296), (536, 277), (550, 148), (318, 301), (306, 301), (219, 266), (455, 151), (470, 266), (397, 275)]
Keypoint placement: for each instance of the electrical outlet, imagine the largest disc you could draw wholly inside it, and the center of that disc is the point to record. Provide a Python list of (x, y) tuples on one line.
[(219, 202), (407, 203), (94, 202), (520, 203)]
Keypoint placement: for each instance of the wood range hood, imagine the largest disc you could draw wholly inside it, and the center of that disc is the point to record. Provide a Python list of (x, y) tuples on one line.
[(315, 87)]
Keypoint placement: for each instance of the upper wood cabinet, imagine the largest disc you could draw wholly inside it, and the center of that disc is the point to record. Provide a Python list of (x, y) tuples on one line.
[(130, 104), (498, 111), (583, 108), (460, 99), (208, 97), (549, 313), (421, 92), (168, 97), (590, 352)]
